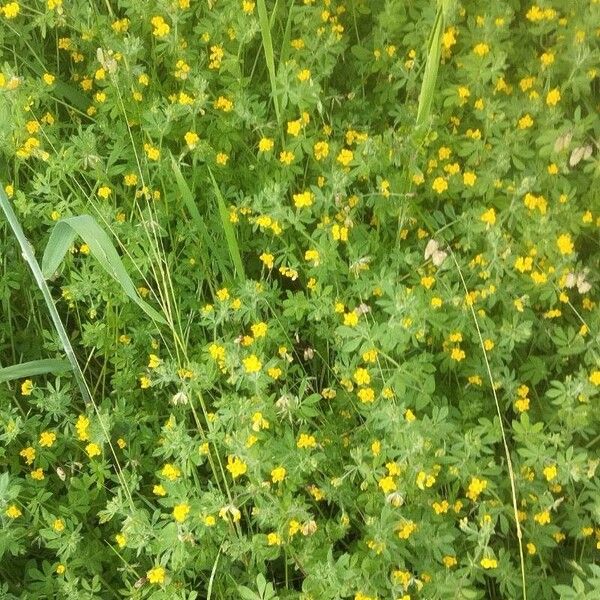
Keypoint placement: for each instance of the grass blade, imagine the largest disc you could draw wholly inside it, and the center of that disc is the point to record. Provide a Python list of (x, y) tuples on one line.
[(232, 245), (431, 67), (29, 256), (267, 42), (101, 248), (32, 368)]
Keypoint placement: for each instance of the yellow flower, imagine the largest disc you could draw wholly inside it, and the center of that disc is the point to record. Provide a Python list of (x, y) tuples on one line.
[(350, 319), (224, 104), (252, 364), (10, 10), (594, 377), (553, 97), (37, 474), (361, 376), (525, 122), (523, 263), (48, 78), (28, 454), (180, 512), (93, 449), (159, 490), (304, 199), (27, 387), (488, 563), (481, 49), (387, 485), (489, 216), (145, 382), (457, 354), (469, 178), (312, 256), (547, 58), (321, 150), (13, 512), (236, 466), (439, 185), (565, 244), (156, 575), (222, 158), (151, 151), (294, 127), (47, 439), (543, 517), (345, 157), (476, 487), (267, 260), (449, 561), (104, 192), (550, 472), (366, 395), (154, 361), (265, 144), (273, 539), (58, 525), (286, 157), (191, 139), (161, 28), (406, 529), (171, 472), (303, 75), (306, 441), (278, 474)]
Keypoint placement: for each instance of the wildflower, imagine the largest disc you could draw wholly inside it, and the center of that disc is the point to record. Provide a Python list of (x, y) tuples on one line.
[(303, 200), (222, 158), (488, 563), (151, 151), (550, 472), (191, 139), (37, 474), (273, 539), (28, 454), (476, 487), (248, 6), (457, 354), (265, 144), (252, 364), (351, 319), (407, 529), (439, 185), (154, 361), (13, 512), (469, 178), (47, 439), (489, 216), (306, 441), (523, 263), (267, 259), (294, 127), (321, 150), (345, 157), (387, 485), (481, 49), (171, 472), (156, 575), (161, 28), (27, 387), (547, 58), (224, 104), (145, 382), (92, 450), (366, 395), (180, 512), (449, 561), (553, 97), (278, 474), (286, 157), (594, 377), (10, 10), (312, 256), (525, 122), (236, 466), (565, 244), (543, 517)]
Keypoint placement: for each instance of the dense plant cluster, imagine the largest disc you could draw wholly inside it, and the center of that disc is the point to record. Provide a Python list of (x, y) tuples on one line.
[(375, 373)]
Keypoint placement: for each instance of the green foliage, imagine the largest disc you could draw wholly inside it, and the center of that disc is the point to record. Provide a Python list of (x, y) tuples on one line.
[(325, 276)]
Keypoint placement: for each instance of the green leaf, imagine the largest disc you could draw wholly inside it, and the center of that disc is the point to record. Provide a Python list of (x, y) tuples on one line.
[(267, 42), (101, 248), (33, 368)]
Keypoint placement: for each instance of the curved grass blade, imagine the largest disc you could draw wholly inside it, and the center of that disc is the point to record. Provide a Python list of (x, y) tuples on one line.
[(267, 42), (29, 256), (232, 245), (102, 250), (434, 52), (33, 368)]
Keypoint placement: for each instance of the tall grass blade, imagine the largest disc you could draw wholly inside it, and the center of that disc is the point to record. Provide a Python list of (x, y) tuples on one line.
[(267, 42), (33, 368), (232, 245), (29, 256), (102, 250), (434, 52)]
